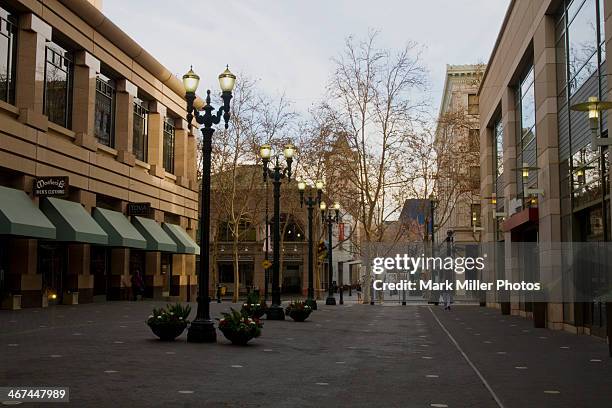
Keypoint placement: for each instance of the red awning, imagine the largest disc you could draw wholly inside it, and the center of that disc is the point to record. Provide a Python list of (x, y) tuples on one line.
[(521, 219)]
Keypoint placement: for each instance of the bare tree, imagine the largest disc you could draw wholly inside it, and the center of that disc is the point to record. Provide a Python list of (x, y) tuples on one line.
[(373, 94), (238, 190)]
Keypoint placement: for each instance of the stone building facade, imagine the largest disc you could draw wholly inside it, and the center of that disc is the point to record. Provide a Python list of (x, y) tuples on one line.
[(535, 152), (82, 104)]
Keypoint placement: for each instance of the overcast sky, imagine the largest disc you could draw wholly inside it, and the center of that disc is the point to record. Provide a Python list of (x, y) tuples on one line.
[(288, 44)]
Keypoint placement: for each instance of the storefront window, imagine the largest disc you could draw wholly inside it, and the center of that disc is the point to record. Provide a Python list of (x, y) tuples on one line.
[(58, 85), (105, 110), (141, 130), (8, 55)]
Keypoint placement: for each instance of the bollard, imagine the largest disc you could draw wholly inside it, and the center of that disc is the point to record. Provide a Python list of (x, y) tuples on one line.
[(341, 298)]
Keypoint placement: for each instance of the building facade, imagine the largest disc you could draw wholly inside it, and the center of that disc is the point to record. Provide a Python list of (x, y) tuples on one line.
[(92, 131), (457, 139), (536, 159)]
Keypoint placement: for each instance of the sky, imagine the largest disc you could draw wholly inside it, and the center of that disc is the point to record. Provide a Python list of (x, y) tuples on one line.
[(288, 45)]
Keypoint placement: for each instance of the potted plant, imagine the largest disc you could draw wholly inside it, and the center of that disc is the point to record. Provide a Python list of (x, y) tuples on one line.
[(253, 306), (298, 310), (168, 323), (239, 329)]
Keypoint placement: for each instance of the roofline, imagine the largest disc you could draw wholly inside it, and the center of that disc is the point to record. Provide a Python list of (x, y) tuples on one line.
[(497, 41), (102, 24)]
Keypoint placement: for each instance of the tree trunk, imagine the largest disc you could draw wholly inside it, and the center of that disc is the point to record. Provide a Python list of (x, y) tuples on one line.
[(236, 271)]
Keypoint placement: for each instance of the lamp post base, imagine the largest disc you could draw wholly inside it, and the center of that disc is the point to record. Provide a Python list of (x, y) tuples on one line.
[(275, 312), (312, 303), (330, 300), (202, 331)]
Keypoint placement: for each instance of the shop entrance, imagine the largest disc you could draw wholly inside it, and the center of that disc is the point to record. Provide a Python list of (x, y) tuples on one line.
[(100, 267), (137, 266), (292, 278), (52, 266)]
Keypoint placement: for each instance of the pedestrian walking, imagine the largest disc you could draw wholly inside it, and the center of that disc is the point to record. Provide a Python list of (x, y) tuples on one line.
[(447, 300), (137, 285)]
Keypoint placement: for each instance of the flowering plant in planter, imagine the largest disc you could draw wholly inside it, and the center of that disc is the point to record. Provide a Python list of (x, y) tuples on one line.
[(253, 306), (298, 310), (239, 329), (168, 323)]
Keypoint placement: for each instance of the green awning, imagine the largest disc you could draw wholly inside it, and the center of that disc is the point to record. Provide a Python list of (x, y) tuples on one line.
[(73, 223), (120, 232), (20, 216), (184, 243), (157, 239)]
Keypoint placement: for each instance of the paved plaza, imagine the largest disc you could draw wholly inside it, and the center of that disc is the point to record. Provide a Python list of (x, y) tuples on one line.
[(350, 356)]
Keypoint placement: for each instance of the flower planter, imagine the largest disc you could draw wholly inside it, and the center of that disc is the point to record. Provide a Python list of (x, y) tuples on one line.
[(168, 323), (299, 315), (239, 329), (240, 338), (298, 310), (256, 312), (168, 332)]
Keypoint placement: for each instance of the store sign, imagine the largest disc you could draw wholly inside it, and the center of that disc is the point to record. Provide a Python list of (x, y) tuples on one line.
[(51, 186), (139, 209)]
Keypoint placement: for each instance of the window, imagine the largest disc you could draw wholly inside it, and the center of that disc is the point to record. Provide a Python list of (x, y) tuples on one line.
[(526, 137), (474, 177), (293, 233), (475, 214), (141, 130), (474, 140), (105, 111), (8, 55), (498, 134), (582, 42), (58, 85), (246, 232), (473, 104), (169, 145)]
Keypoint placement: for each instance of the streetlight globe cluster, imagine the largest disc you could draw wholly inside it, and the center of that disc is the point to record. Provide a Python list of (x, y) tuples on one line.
[(191, 80)]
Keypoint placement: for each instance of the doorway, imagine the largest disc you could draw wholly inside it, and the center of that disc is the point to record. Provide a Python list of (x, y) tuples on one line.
[(52, 266), (100, 264)]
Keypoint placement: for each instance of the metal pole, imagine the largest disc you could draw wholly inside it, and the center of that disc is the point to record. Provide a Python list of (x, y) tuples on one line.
[(275, 311), (331, 299), (311, 300), (266, 272), (202, 328)]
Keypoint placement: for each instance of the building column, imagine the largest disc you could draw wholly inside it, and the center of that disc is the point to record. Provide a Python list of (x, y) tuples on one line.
[(124, 121), (119, 282), (86, 68), (31, 51), (181, 152), (549, 204), (509, 119), (157, 114), (78, 276), (22, 277), (154, 281)]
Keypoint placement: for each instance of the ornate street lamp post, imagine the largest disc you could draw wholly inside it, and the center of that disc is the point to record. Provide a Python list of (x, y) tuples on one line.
[(330, 218), (275, 311), (202, 328), (311, 202)]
